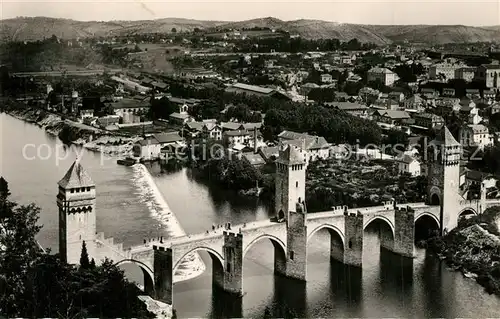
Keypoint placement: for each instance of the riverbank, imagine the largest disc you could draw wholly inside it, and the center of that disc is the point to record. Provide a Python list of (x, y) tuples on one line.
[(474, 249), (192, 265), (70, 132)]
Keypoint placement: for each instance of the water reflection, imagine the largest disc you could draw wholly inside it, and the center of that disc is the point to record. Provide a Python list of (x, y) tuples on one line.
[(225, 305), (289, 300), (396, 277), (432, 278), (345, 283)]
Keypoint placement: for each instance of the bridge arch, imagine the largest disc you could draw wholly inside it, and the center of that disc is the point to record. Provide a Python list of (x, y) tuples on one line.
[(435, 196), (418, 216), (148, 273), (217, 259), (467, 211), (384, 220), (331, 228), (279, 245), (426, 226)]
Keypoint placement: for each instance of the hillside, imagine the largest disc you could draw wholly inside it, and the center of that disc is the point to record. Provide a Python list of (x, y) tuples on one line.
[(21, 29), (40, 27)]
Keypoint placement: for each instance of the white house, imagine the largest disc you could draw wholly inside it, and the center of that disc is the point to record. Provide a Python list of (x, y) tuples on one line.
[(475, 135), (408, 164)]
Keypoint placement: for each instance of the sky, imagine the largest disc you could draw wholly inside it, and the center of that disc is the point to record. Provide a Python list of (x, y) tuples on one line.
[(471, 12)]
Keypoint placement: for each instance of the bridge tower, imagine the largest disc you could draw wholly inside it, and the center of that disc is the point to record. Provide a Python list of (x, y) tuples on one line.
[(443, 158), (290, 180), (77, 215)]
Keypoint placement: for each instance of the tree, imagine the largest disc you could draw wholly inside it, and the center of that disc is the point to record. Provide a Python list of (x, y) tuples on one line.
[(19, 251), (84, 257), (4, 193), (174, 30), (92, 264)]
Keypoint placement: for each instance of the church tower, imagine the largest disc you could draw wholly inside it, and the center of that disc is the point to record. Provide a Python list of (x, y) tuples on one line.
[(443, 158), (77, 215), (290, 180)]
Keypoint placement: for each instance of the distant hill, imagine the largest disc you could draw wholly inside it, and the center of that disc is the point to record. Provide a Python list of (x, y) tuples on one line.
[(40, 27)]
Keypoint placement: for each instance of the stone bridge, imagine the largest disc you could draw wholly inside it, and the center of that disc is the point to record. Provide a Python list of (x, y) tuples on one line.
[(227, 248)]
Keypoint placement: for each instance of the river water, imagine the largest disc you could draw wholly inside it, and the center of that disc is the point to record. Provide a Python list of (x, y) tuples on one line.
[(387, 286)]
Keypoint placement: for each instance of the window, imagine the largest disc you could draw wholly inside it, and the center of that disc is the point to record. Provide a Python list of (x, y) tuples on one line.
[(296, 184), (350, 244), (88, 189), (228, 267), (72, 190), (292, 254)]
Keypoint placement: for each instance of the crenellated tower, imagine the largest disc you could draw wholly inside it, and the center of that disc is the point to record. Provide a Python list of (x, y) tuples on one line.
[(77, 215), (290, 180), (443, 158)]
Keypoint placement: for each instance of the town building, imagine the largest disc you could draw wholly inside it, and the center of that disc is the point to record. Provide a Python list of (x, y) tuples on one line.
[(444, 71), (326, 78), (414, 104), (448, 92), (407, 164), (475, 135), (255, 90), (465, 73), (489, 74), (428, 120), (129, 110), (315, 147), (355, 109), (386, 76), (391, 117), (397, 96)]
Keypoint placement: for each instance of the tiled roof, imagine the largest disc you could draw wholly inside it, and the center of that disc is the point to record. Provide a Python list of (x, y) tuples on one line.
[(444, 137), (254, 159), (168, 137), (129, 103), (291, 155), (237, 133), (405, 159), (179, 116), (478, 128), (253, 88), (75, 177), (346, 106)]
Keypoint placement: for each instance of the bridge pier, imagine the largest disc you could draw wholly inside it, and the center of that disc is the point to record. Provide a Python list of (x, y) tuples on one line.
[(231, 279), (353, 247), (163, 271), (404, 229), (294, 264), (149, 287)]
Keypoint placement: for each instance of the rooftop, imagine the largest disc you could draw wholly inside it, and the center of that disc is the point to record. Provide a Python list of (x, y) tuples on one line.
[(444, 137), (290, 155), (75, 177), (253, 88)]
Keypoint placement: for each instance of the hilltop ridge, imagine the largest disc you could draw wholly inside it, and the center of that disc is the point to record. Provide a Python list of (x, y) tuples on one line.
[(36, 28)]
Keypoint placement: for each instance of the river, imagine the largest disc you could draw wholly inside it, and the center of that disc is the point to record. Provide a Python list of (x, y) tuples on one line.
[(387, 286)]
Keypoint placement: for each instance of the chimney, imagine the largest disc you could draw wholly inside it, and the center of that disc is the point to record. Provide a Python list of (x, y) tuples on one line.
[(255, 149)]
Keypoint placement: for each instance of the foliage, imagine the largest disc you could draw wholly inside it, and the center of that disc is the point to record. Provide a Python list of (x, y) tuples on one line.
[(242, 113), (489, 160), (235, 173), (161, 108), (469, 248), (36, 284), (334, 125), (321, 95), (408, 73), (84, 257)]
